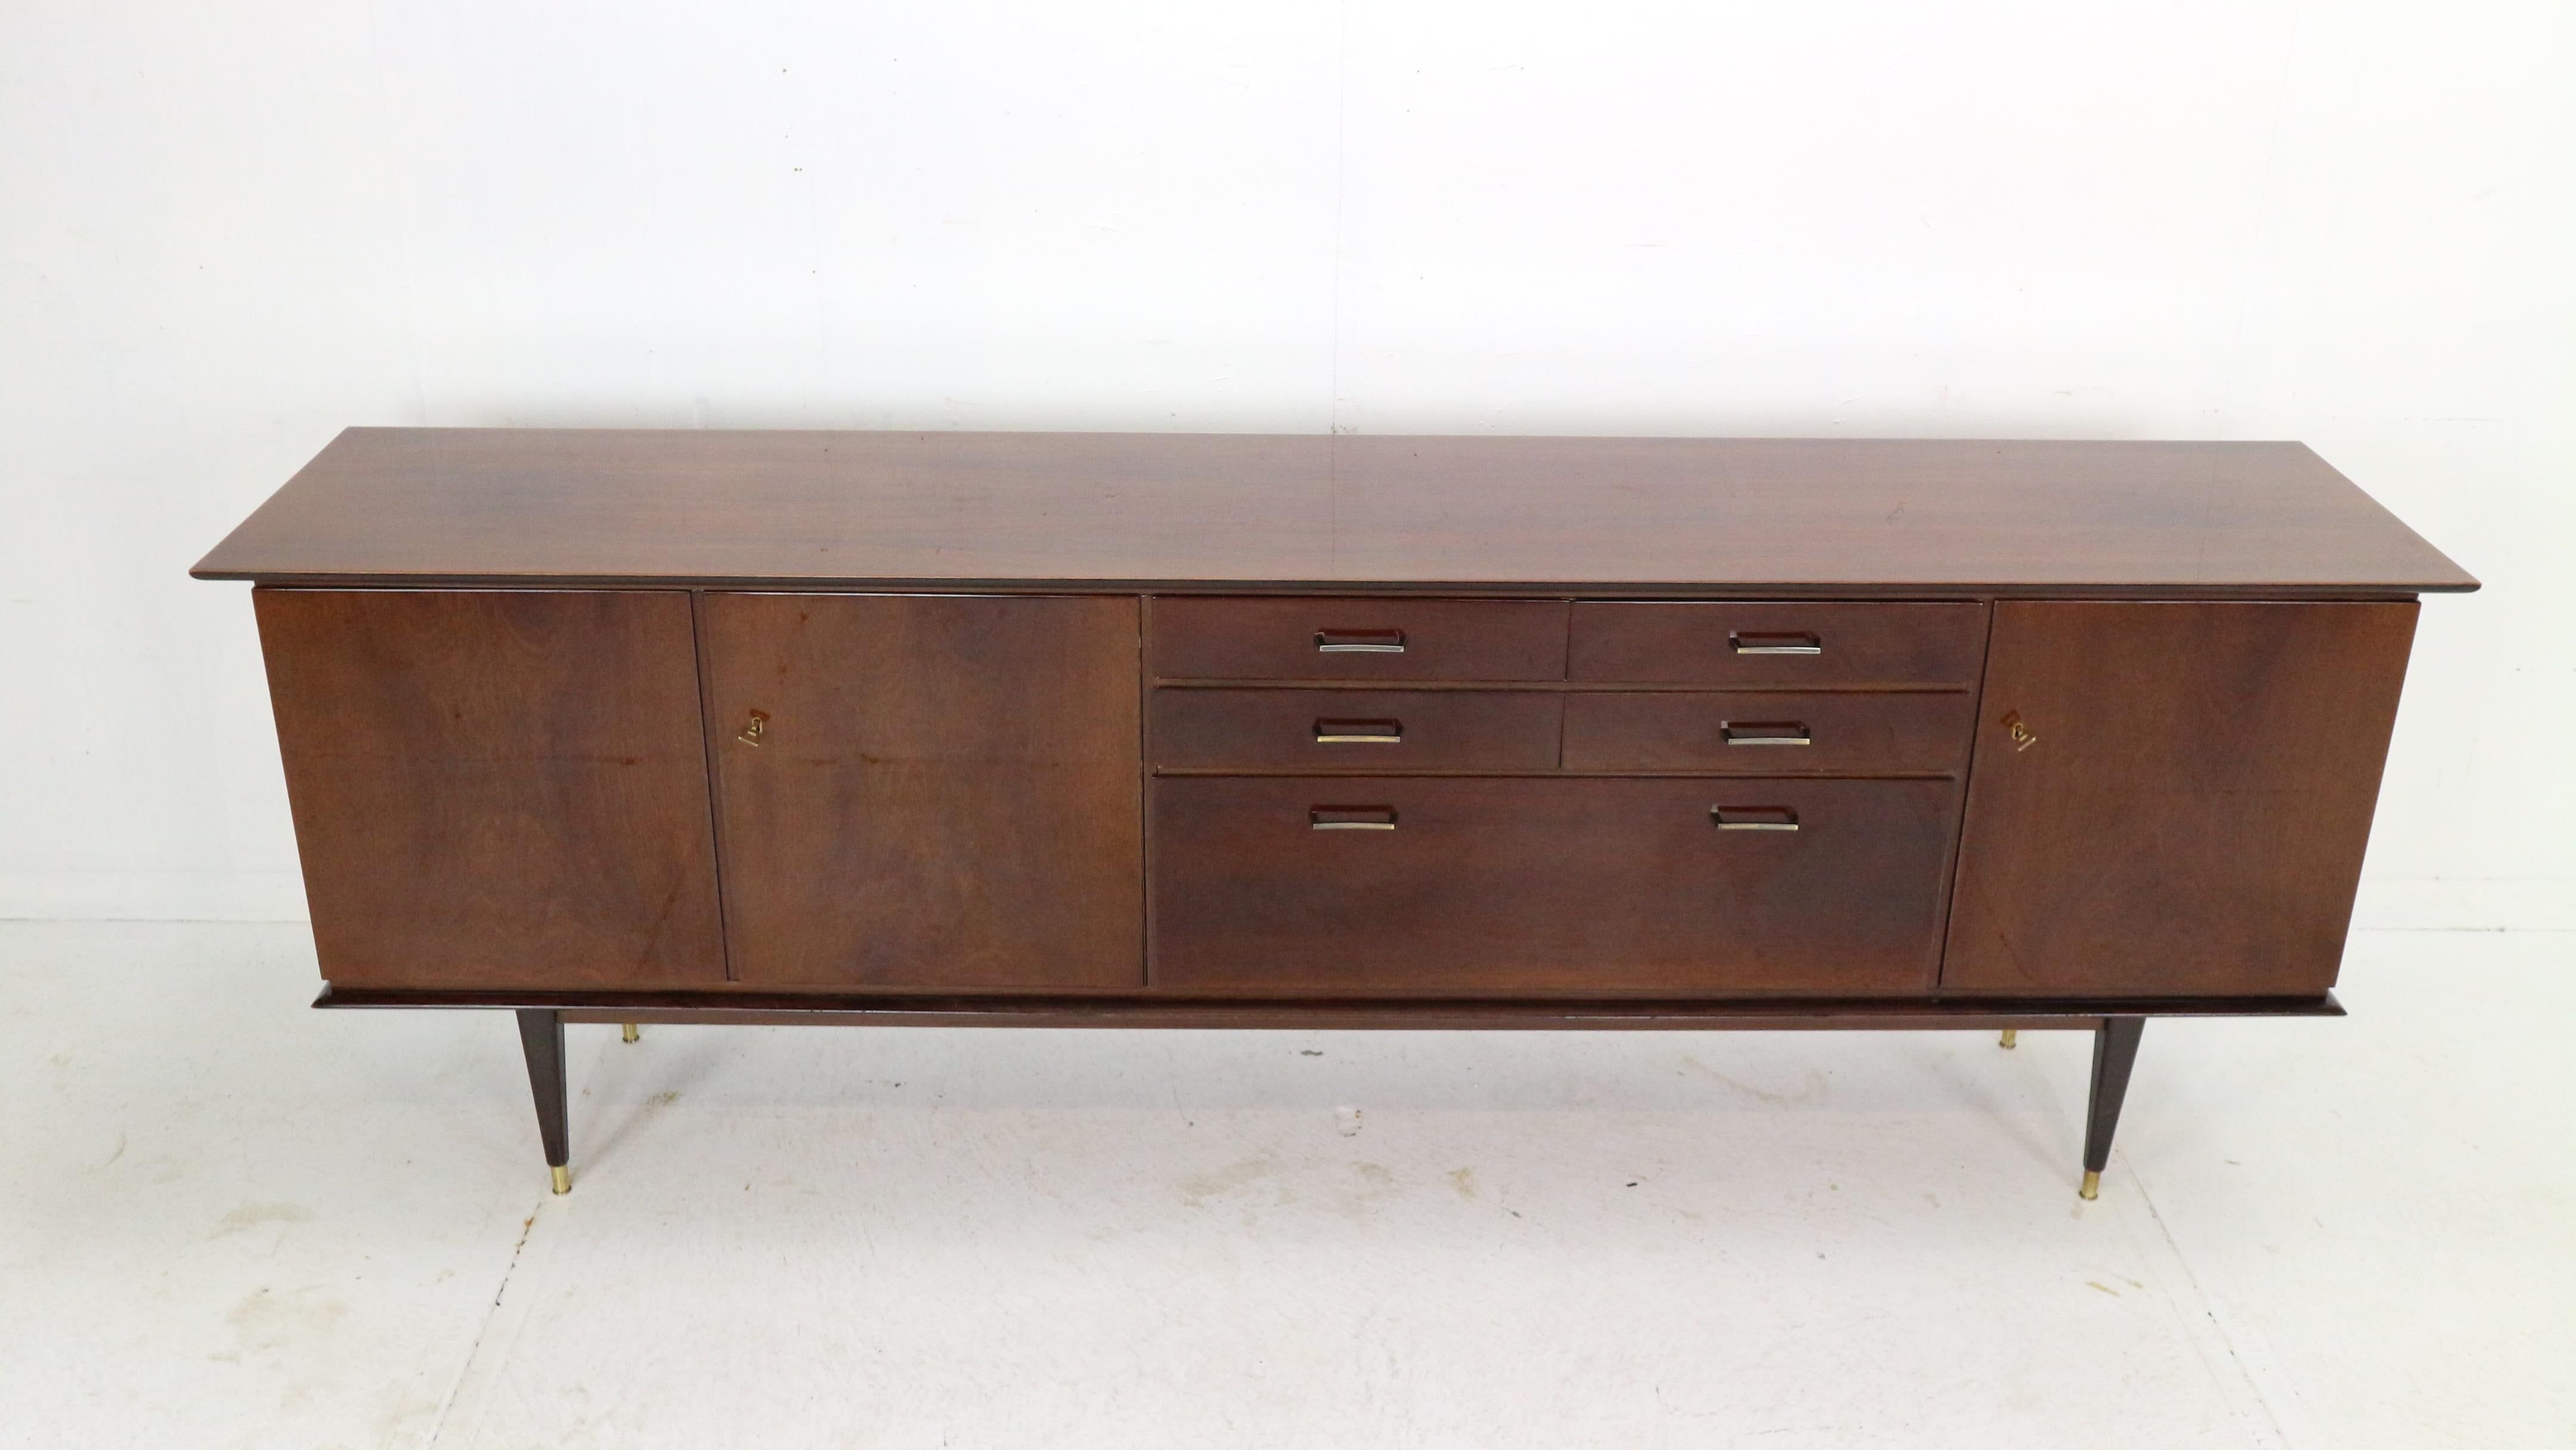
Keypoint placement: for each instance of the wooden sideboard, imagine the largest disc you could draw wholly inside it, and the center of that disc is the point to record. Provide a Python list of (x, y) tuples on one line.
[(1121, 729)]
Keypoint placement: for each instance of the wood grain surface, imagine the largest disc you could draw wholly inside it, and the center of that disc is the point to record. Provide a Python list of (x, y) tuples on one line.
[(1848, 732), (1560, 886), (2173, 799), (1414, 639), (1722, 643), (496, 789), (1211, 511), (945, 792), (1274, 732)]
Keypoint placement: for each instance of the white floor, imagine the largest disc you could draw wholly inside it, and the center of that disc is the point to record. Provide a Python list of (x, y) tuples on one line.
[(229, 1221)]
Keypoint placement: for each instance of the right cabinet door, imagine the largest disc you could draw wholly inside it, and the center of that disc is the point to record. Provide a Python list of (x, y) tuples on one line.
[(2172, 800)]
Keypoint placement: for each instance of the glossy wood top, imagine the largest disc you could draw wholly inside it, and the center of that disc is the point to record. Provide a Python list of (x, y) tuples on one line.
[(1214, 512)]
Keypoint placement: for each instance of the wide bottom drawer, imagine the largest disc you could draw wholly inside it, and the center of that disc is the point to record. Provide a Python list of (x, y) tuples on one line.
[(1467, 887)]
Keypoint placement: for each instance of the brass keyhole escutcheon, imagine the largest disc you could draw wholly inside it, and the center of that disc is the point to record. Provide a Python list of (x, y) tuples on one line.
[(2019, 732), (750, 733)]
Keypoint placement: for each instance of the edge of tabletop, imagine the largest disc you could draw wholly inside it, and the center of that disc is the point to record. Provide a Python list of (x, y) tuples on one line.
[(2408, 564), (1603, 589)]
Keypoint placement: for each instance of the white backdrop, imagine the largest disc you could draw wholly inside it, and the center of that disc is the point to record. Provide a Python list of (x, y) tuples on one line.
[(228, 230)]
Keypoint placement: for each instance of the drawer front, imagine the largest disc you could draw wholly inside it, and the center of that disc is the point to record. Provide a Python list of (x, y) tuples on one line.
[(1393, 887), (1779, 643), (1355, 730), (1770, 732), (1358, 639)]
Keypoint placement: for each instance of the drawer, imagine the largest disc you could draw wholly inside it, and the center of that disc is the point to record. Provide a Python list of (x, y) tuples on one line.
[(1355, 730), (1770, 732), (1779, 643), (1457, 888), (1357, 639)]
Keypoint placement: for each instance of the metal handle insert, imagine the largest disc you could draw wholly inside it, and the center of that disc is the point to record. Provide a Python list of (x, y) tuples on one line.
[(1359, 732), (1795, 642), (1754, 818), (1765, 732), (1359, 641), (1351, 818)]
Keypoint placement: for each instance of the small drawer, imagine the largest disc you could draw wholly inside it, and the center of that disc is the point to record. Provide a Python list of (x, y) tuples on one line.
[(1771, 732), (1357, 639), (1338, 731), (1463, 887), (1779, 643)]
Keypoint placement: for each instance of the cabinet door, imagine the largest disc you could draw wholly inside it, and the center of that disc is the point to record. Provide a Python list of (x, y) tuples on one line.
[(496, 789), (2172, 799), (928, 791)]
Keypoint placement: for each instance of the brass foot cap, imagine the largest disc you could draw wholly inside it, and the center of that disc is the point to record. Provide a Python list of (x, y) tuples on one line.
[(2092, 1186), (563, 1179), (2011, 1037), (631, 1034)]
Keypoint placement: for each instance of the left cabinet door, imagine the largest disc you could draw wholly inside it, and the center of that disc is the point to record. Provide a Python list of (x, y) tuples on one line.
[(497, 789), (928, 791)]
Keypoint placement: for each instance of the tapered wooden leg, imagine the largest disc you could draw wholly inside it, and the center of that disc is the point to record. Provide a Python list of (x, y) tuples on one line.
[(541, 1034), (2115, 1051)]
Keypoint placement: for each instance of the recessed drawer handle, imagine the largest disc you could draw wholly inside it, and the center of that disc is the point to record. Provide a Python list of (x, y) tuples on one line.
[(1754, 818), (1750, 732), (1352, 818), (1749, 642), (1359, 732), (1359, 641)]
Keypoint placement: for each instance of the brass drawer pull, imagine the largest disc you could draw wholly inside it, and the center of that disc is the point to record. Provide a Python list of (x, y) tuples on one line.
[(1351, 818), (1359, 732), (751, 733), (1754, 818), (1751, 642), (1359, 641), (1752, 732)]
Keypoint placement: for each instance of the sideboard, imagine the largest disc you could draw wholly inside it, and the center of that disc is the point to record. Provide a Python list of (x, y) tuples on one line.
[(1090, 729)]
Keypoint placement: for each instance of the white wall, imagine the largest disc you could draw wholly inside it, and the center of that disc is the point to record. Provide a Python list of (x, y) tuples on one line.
[(228, 230)]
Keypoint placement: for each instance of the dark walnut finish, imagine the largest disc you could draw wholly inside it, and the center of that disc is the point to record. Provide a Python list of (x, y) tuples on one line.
[(1448, 888), (1358, 639), (1793, 646), (496, 789), (1089, 729), (2172, 799), (1751, 732), (1309, 731), (1704, 517), (927, 792)]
